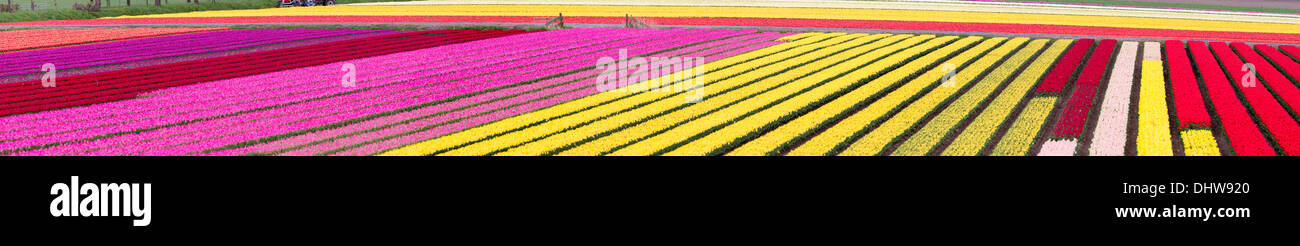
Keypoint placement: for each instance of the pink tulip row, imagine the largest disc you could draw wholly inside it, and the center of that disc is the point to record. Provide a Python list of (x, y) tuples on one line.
[(169, 132), (175, 59), (405, 122), (101, 54), (360, 105), (267, 84), (256, 83), (1059, 147), (197, 101), (413, 132)]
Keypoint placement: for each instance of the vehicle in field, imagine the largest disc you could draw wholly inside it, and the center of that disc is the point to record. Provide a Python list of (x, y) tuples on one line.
[(305, 3)]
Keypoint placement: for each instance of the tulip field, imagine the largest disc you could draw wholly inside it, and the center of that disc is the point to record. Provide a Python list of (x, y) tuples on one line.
[(985, 85), (512, 92)]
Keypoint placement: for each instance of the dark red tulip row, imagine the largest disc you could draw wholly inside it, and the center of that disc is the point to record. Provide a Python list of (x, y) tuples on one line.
[(1070, 123), (1064, 69)]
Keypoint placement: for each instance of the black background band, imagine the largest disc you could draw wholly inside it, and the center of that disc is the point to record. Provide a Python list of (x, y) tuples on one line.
[(453, 197)]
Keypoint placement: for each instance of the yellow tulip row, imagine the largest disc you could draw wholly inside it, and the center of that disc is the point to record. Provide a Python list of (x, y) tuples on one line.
[(623, 128), (854, 125), (899, 67), (978, 134), (700, 122), (1025, 129), (875, 141), (798, 36), (717, 69), (1199, 142), (1153, 137), (716, 84), (738, 130), (924, 140)]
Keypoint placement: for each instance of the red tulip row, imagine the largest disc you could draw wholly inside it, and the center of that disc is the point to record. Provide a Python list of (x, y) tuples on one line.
[(1270, 76), (1291, 50), (1243, 134), (1064, 69), (1283, 61), (124, 84), (1070, 123), (1281, 126), (1188, 103)]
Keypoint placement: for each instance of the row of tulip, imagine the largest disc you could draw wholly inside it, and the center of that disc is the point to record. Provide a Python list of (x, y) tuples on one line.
[(981, 131), (1070, 122), (1291, 50), (1110, 137), (1153, 136), (1024, 131), (298, 111), (645, 125), (205, 96), (64, 72), (712, 85), (722, 68), (1235, 119), (1282, 87), (925, 140), (72, 115), (136, 50), (125, 84), (43, 38), (889, 131), (382, 96), (741, 130), (873, 79), (1199, 142), (295, 94), (1188, 103), (1059, 147), (1189, 106), (111, 119), (660, 133), (1022, 134), (1064, 71), (1283, 129), (510, 132), (907, 85), (405, 136), (939, 15), (373, 134)]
